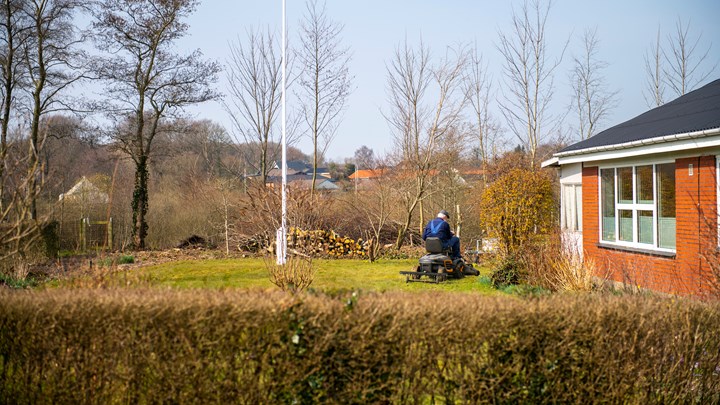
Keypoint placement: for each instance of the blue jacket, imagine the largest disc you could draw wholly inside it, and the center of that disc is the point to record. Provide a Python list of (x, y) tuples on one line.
[(437, 228)]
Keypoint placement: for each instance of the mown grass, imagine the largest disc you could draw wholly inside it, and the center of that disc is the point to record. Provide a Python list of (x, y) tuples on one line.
[(332, 276)]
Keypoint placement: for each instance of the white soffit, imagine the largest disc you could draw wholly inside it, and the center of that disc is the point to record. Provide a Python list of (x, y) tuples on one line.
[(666, 144)]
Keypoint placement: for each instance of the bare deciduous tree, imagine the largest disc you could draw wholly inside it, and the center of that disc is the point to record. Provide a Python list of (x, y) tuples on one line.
[(591, 98), (18, 230), (425, 104), (478, 87), (325, 79), (376, 203), (528, 74), (146, 81), (14, 30), (39, 53), (54, 62), (364, 158), (684, 59), (654, 91), (254, 76)]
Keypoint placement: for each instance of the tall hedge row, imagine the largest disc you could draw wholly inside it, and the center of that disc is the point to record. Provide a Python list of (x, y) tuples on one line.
[(252, 347)]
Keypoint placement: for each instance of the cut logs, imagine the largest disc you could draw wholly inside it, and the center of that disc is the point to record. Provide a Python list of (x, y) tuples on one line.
[(322, 243)]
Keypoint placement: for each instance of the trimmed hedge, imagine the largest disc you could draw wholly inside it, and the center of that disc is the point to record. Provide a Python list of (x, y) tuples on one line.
[(154, 346)]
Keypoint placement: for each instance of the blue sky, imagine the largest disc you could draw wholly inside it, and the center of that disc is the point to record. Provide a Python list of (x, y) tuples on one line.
[(373, 28)]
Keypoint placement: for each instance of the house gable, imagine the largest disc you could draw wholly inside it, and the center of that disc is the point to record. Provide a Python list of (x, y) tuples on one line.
[(84, 190)]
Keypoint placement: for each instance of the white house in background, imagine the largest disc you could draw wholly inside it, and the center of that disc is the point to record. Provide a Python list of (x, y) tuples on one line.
[(84, 191)]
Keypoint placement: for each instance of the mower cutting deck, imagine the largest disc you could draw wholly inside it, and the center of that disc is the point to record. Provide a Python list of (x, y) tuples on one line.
[(417, 277)]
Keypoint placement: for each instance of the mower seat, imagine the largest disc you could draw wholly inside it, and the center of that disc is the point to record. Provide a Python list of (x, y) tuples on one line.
[(434, 245)]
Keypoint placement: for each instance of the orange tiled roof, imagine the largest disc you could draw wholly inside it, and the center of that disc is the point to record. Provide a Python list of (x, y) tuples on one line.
[(366, 174)]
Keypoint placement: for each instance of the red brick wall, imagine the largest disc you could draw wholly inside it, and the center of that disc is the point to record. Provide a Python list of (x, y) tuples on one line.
[(696, 220)]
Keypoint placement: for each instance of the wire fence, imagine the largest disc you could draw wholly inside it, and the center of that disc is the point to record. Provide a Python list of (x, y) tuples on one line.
[(85, 234)]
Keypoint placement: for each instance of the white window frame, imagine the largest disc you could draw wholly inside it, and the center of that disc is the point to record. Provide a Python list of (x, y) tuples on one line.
[(634, 207)]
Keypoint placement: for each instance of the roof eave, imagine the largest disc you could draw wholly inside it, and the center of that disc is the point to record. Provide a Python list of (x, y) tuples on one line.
[(634, 144), (552, 162)]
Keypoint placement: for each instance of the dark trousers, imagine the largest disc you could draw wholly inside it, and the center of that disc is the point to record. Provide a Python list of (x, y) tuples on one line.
[(454, 244)]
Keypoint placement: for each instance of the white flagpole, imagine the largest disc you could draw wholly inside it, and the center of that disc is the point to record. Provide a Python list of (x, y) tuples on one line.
[(282, 234)]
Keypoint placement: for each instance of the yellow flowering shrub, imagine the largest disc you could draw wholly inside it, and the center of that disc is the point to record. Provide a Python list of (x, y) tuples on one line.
[(517, 206)]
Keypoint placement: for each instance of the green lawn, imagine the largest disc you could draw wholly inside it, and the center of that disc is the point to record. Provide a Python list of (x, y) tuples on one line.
[(332, 276)]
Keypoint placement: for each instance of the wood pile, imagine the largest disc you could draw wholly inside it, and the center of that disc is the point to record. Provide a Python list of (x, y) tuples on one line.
[(253, 244), (324, 243)]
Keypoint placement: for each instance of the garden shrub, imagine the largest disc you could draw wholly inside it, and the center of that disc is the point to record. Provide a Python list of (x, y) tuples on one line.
[(51, 239), (516, 207), (126, 259), (506, 272), (38, 246), (295, 275), (556, 266), (149, 346)]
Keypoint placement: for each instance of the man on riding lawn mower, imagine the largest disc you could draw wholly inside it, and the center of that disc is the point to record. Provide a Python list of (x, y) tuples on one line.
[(438, 227)]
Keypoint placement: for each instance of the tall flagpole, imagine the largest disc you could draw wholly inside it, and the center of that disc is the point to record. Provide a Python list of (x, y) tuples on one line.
[(282, 232)]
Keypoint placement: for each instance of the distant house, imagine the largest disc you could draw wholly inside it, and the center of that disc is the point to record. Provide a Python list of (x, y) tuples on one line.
[(320, 184), (85, 192), (367, 174), (298, 167), (641, 198), (301, 173), (461, 176), (472, 174)]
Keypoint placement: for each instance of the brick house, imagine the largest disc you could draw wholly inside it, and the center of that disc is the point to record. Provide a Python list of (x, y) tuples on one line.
[(641, 198)]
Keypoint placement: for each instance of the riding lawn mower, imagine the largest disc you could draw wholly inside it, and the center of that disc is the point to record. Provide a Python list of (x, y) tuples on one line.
[(437, 265)]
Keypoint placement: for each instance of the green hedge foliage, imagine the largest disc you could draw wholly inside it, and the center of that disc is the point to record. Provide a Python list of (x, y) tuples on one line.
[(149, 346)]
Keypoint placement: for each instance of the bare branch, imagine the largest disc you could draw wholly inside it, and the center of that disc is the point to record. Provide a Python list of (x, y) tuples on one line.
[(654, 92), (426, 102), (591, 98), (529, 76), (325, 81), (684, 59), (478, 88)]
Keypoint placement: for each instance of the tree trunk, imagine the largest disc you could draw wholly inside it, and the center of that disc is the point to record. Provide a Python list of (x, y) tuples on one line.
[(403, 231), (422, 219), (140, 203), (8, 85), (315, 152), (314, 176), (227, 225), (458, 220), (263, 164), (34, 161)]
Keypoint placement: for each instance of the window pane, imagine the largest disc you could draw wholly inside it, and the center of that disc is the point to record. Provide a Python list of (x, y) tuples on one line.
[(666, 205), (644, 184), (607, 191), (626, 225), (568, 204), (625, 192), (578, 207), (645, 227)]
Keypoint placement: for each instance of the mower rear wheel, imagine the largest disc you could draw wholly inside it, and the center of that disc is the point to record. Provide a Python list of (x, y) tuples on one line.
[(458, 269)]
